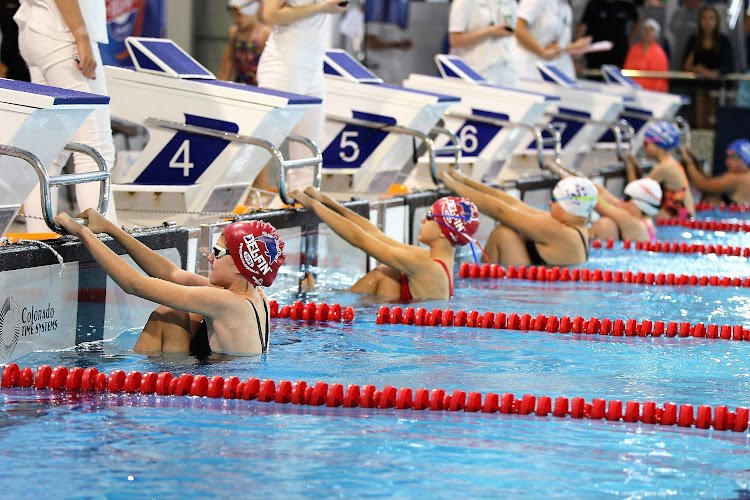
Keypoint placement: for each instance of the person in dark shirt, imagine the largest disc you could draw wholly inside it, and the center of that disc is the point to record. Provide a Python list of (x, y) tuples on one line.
[(613, 20), (9, 54), (708, 55)]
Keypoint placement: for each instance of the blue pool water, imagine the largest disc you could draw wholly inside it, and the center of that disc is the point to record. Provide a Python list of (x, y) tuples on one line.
[(120, 445)]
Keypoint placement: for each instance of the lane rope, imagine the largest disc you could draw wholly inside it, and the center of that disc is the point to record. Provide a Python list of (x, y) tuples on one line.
[(674, 247), (706, 225), (333, 395)]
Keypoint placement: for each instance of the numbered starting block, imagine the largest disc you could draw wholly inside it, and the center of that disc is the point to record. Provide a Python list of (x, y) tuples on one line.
[(208, 139), (37, 124), (490, 121), (581, 116), (373, 130)]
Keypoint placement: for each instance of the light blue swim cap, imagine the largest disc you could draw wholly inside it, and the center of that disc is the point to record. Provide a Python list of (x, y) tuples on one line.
[(742, 148), (663, 134)]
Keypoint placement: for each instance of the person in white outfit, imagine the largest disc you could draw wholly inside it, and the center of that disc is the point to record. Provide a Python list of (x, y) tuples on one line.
[(543, 31), (293, 61), (481, 31), (59, 40)]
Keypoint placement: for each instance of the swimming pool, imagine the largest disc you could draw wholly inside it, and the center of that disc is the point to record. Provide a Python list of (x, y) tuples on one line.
[(130, 445)]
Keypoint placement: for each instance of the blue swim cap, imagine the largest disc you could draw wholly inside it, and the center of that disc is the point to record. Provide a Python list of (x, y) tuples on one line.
[(742, 148), (663, 134)]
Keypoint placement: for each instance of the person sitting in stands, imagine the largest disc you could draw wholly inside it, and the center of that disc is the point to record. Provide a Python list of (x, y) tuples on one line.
[(628, 218), (659, 139), (409, 271), (527, 235), (732, 186), (226, 312)]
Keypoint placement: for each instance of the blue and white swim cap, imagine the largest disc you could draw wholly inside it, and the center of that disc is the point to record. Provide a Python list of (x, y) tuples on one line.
[(663, 134), (576, 195), (742, 148)]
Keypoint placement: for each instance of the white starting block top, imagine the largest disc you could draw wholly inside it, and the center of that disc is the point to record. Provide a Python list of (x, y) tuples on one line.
[(41, 120), (183, 172), (588, 112), (358, 156), (486, 142)]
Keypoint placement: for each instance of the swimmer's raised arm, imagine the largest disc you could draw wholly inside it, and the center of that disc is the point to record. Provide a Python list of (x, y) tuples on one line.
[(397, 255), (350, 215), (633, 169), (725, 183), (151, 262), (208, 301), (491, 202)]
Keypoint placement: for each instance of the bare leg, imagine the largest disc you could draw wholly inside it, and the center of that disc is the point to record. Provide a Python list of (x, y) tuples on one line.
[(604, 229), (505, 246), (167, 330)]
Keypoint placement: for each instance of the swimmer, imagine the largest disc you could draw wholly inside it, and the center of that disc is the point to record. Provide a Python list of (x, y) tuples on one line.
[(527, 235), (733, 186), (629, 218), (659, 139), (409, 272), (226, 312)]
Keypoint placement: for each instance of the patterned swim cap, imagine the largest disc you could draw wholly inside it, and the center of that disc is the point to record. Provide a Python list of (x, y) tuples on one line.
[(576, 195), (457, 217), (256, 249), (663, 134), (742, 148), (646, 194)]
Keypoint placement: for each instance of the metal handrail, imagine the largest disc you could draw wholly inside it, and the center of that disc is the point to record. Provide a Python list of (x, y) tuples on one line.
[(47, 181), (428, 141), (555, 138), (623, 131), (276, 156), (684, 127)]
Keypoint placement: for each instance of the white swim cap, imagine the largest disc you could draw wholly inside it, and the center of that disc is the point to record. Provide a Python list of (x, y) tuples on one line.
[(646, 194), (576, 195)]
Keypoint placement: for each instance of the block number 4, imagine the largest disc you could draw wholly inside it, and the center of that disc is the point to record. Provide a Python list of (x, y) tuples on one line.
[(181, 158)]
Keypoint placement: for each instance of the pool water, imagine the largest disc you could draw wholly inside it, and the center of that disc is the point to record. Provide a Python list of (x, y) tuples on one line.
[(125, 445)]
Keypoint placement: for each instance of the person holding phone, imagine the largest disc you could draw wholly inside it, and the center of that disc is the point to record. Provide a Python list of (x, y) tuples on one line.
[(481, 31), (59, 40), (293, 61)]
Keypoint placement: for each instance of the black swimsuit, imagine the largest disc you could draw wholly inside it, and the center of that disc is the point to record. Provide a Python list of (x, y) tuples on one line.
[(199, 343), (538, 260)]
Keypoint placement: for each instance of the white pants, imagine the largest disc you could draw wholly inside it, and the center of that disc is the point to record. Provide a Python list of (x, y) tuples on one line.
[(51, 62), (275, 74)]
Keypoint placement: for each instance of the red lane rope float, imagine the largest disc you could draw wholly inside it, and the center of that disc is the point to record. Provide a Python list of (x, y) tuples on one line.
[(312, 312), (719, 418), (675, 247), (564, 324), (706, 225), (732, 207), (541, 273)]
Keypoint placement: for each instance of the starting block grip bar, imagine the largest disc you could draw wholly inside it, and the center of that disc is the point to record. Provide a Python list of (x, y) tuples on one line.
[(46, 181)]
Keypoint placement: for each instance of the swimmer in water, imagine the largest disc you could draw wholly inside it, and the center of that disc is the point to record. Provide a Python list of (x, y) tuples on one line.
[(408, 272), (527, 235), (733, 186), (226, 312), (629, 218), (659, 139)]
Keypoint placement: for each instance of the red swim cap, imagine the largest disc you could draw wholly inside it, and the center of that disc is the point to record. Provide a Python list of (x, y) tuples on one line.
[(256, 249), (457, 217)]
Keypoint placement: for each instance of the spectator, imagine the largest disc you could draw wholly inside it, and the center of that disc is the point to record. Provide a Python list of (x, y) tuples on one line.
[(482, 33), (10, 56), (543, 34), (59, 40), (648, 55), (708, 55), (387, 46), (682, 25), (247, 38), (613, 20)]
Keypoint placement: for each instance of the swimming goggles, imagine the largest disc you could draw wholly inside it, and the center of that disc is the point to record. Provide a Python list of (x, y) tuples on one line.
[(220, 251)]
